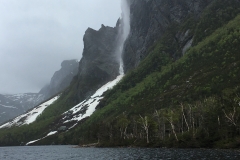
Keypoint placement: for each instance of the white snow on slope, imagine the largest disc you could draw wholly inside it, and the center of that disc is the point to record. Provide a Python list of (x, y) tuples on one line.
[(89, 104), (52, 133), (49, 134), (30, 116), (33, 141)]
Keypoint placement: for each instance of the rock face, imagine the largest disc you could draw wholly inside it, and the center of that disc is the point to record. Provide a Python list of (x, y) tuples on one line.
[(99, 63), (61, 78), (149, 21)]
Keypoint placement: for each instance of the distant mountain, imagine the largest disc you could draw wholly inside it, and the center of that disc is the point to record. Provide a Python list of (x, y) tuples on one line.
[(12, 105)]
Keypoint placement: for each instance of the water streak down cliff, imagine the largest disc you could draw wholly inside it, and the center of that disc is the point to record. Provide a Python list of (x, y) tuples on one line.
[(123, 32)]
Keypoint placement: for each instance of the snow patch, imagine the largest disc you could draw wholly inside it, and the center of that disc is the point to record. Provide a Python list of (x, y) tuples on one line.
[(49, 134), (52, 133), (33, 141), (38, 110), (90, 104)]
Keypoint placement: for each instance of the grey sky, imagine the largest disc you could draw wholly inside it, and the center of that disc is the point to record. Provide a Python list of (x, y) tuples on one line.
[(37, 35)]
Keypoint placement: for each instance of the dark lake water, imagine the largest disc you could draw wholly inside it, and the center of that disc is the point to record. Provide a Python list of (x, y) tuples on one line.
[(70, 153)]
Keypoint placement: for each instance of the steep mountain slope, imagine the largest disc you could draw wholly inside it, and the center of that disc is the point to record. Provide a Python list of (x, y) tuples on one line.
[(181, 88), (152, 87), (186, 100), (204, 83), (149, 21)]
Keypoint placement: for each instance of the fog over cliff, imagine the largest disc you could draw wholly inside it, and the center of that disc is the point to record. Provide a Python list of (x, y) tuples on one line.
[(36, 36)]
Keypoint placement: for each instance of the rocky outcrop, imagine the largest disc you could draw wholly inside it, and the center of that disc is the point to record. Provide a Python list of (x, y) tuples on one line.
[(149, 21), (99, 63), (61, 78)]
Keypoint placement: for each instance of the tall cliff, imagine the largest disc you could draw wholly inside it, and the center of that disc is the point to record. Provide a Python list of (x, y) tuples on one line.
[(149, 21), (99, 63)]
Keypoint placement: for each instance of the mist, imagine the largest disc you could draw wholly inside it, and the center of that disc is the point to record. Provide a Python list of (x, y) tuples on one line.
[(36, 36)]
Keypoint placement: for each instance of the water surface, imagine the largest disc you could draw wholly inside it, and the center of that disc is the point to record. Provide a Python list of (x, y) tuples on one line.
[(70, 153)]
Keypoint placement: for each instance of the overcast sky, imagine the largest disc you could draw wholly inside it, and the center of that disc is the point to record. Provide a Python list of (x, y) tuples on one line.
[(37, 35)]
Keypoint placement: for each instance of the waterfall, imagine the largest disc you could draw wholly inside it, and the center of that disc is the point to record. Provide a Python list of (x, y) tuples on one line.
[(123, 32), (121, 71)]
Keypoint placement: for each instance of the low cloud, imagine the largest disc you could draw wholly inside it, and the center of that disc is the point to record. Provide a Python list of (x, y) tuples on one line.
[(36, 36)]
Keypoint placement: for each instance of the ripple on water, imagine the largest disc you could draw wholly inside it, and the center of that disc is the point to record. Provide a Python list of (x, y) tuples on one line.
[(68, 152)]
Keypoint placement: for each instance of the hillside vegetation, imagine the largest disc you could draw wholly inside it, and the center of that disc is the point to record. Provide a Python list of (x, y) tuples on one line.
[(191, 102), (170, 99)]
